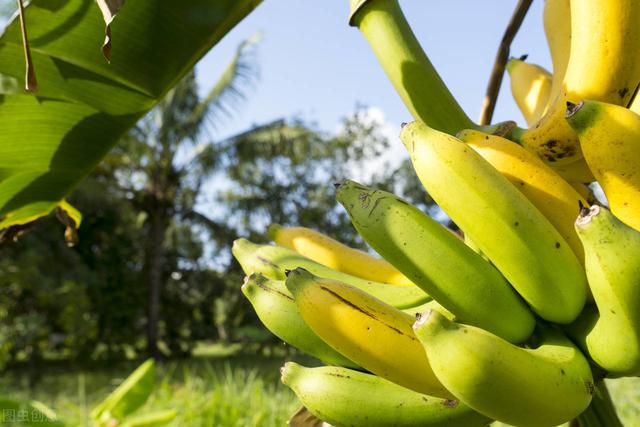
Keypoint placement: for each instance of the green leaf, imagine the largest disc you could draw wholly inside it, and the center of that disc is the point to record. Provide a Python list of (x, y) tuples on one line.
[(27, 413), (51, 140), (129, 396), (153, 419)]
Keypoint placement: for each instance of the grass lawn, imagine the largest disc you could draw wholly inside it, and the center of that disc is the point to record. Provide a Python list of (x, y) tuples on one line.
[(219, 386)]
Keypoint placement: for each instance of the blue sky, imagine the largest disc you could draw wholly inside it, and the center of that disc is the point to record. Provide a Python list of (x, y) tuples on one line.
[(314, 66)]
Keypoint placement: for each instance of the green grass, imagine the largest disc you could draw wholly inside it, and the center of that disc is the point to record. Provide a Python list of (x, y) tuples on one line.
[(206, 391), (219, 387)]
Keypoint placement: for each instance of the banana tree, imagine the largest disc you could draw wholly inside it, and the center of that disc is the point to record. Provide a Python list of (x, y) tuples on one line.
[(53, 138)]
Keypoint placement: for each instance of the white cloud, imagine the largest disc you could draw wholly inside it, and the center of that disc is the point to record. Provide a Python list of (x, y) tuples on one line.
[(395, 152)]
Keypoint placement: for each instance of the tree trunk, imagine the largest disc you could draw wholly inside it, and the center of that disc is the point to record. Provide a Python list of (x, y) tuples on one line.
[(155, 268)]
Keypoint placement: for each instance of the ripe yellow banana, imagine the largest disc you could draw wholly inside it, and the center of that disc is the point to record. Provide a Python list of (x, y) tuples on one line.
[(276, 309), (344, 397), (530, 87), (603, 65), (612, 249), (610, 139), (544, 386), (364, 329), (437, 261), (333, 254), (273, 261), (506, 227), (553, 196), (557, 29)]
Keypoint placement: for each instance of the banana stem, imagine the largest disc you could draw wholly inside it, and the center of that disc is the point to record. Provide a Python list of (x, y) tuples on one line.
[(407, 66), (601, 412)]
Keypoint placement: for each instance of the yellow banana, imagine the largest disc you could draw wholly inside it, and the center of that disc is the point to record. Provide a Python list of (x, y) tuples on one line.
[(603, 65), (514, 235), (553, 196), (543, 386), (612, 248), (276, 309), (557, 29), (530, 87), (610, 139), (327, 251), (364, 329)]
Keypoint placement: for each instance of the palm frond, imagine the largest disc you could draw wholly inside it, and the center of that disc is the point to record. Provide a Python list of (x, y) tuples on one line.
[(230, 89)]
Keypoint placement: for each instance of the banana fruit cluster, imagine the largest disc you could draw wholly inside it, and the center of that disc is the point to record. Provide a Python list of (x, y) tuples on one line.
[(520, 320)]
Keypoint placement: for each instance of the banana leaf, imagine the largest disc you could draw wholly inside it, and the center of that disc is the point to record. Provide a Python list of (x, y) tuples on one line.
[(50, 140), (129, 396)]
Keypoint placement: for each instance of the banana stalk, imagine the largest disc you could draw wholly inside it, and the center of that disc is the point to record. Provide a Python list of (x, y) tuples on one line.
[(407, 66), (601, 412)]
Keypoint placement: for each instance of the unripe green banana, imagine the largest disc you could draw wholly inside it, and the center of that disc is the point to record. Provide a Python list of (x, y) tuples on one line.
[(273, 261), (407, 66), (544, 386), (437, 261), (612, 249), (344, 397), (277, 310), (364, 329), (507, 228)]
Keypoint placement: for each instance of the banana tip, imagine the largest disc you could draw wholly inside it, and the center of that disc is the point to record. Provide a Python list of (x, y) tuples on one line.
[(286, 372), (587, 214), (422, 318), (573, 108)]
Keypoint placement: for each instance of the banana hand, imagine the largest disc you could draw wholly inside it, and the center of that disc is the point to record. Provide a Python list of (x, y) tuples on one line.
[(507, 228)]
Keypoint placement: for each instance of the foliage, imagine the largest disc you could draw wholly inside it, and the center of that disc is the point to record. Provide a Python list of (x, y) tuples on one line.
[(83, 98), (90, 301), (236, 391)]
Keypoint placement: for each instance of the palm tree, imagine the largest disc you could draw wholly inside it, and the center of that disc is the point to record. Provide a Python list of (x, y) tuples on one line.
[(163, 162)]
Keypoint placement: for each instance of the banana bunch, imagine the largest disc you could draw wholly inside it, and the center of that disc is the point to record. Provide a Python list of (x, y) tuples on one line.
[(522, 319)]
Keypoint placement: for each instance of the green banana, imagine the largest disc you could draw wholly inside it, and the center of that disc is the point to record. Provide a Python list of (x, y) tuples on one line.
[(273, 261), (543, 386), (612, 248), (437, 261), (344, 397), (277, 310), (407, 66), (373, 334), (507, 228)]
